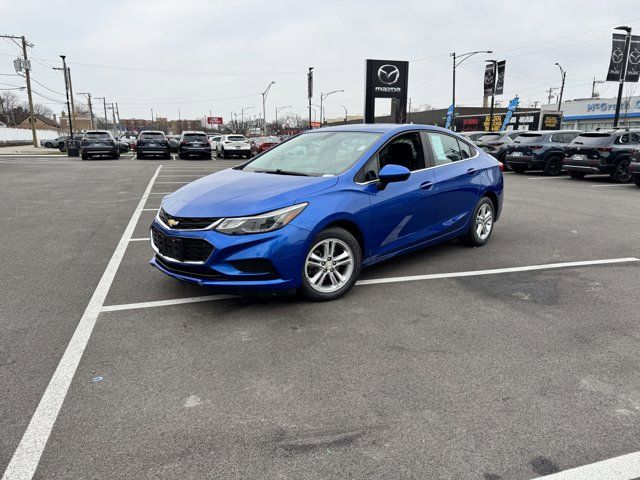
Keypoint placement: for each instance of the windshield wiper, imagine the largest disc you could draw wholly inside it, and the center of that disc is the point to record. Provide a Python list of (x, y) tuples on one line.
[(283, 172)]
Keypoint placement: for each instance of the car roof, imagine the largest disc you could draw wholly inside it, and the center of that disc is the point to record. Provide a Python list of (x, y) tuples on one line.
[(97, 131), (380, 128), (151, 131)]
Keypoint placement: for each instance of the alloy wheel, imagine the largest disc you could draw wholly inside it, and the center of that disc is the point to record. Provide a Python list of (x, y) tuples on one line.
[(484, 221), (329, 265)]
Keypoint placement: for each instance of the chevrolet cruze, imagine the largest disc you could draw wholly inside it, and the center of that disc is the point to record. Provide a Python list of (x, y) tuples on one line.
[(308, 214)]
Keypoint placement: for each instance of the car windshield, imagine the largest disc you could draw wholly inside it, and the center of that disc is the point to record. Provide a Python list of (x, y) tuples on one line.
[(97, 136), (592, 139), (236, 138), (321, 153), (151, 136), (529, 138)]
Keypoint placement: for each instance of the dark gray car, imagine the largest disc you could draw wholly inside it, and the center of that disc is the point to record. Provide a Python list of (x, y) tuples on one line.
[(539, 150)]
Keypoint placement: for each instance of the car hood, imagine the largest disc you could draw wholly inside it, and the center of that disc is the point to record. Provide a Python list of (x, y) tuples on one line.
[(235, 193)]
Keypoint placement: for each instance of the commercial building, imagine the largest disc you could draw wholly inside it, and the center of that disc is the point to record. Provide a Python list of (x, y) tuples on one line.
[(593, 113)]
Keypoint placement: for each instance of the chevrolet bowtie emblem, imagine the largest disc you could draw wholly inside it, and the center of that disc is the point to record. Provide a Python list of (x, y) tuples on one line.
[(172, 223)]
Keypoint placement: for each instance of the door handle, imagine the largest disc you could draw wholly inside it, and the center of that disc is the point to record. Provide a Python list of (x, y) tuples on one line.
[(471, 171), (426, 185)]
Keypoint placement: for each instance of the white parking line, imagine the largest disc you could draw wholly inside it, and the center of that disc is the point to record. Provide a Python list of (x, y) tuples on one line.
[(149, 209), (624, 467), (160, 193), (549, 178), (376, 281), (25, 459), (181, 183), (612, 185), (134, 157), (146, 239)]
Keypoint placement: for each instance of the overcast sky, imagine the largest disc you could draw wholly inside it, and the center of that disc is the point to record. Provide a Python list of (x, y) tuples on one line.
[(203, 56)]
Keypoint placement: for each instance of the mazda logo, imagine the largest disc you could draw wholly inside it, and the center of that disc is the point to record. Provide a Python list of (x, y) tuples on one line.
[(634, 57), (388, 74), (488, 78), (616, 56)]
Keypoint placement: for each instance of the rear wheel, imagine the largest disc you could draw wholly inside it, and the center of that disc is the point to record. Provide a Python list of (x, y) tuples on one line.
[(224, 153), (518, 169), (140, 155), (553, 166), (84, 156), (331, 266), (576, 175), (181, 156), (482, 222), (621, 174), (636, 180)]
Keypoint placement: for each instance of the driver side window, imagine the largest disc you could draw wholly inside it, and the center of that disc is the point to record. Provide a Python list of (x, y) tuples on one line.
[(405, 150)]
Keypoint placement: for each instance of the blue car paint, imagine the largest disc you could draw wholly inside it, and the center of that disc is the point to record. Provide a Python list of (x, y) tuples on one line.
[(433, 205)]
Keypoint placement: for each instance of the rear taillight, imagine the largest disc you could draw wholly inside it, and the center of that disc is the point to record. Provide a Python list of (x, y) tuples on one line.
[(501, 166), (604, 149), (536, 147), (183, 142)]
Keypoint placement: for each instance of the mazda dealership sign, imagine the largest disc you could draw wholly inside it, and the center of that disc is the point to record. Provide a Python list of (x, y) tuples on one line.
[(386, 79)]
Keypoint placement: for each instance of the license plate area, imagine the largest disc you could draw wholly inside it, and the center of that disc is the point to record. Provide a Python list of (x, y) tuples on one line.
[(171, 247), (579, 157)]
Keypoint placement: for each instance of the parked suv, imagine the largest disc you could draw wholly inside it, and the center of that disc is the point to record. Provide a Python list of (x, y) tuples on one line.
[(602, 152), (98, 142), (539, 150), (233, 145), (194, 143), (152, 143), (496, 143)]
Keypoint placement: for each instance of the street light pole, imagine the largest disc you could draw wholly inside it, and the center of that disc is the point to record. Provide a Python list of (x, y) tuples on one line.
[(564, 75), (66, 89), (345, 114), (322, 97), (244, 109), (277, 110), (310, 91), (264, 111), (623, 72), (455, 65)]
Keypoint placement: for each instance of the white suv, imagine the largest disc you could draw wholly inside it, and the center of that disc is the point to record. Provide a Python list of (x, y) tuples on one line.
[(233, 145)]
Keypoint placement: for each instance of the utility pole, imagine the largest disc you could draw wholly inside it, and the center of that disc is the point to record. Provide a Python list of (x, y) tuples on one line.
[(550, 94), (27, 76), (73, 108), (623, 72), (106, 119), (152, 118), (113, 116), (179, 121), (310, 91), (66, 91), (564, 75), (90, 108), (593, 87)]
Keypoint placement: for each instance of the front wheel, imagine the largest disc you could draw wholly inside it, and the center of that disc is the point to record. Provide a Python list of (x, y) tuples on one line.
[(482, 221), (331, 266)]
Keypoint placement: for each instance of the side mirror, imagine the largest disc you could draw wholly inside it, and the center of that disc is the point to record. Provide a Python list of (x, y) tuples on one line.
[(392, 173)]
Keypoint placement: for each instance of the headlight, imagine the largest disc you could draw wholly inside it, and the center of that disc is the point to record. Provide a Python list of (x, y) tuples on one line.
[(266, 222)]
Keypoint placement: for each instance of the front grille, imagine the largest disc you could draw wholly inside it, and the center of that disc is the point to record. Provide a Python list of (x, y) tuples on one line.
[(185, 223), (196, 271), (183, 249)]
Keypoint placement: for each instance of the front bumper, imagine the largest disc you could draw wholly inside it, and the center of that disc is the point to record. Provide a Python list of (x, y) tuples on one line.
[(529, 161), (194, 150), (229, 266)]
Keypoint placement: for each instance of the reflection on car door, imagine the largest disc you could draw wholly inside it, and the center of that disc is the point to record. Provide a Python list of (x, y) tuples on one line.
[(401, 214), (458, 181)]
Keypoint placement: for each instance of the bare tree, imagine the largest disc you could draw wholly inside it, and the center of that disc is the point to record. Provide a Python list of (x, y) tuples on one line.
[(42, 110), (10, 107)]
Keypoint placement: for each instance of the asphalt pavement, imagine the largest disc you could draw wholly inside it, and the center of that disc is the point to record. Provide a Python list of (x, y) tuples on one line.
[(490, 375)]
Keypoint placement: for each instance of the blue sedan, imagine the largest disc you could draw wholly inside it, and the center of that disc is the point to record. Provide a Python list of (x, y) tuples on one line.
[(310, 213)]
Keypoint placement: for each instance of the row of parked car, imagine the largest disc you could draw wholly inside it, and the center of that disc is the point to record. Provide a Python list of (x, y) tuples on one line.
[(614, 152), (150, 143)]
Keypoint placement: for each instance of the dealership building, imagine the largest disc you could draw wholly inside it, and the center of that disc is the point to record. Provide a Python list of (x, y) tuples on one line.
[(593, 113)]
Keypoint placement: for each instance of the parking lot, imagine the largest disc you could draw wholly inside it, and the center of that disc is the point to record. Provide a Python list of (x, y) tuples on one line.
[(512, 361)]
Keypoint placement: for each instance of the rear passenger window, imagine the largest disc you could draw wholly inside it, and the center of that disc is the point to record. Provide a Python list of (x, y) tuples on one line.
[(445, 148), (466, 150)]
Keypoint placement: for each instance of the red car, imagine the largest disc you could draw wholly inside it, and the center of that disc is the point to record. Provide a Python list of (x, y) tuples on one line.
[(262, 144)]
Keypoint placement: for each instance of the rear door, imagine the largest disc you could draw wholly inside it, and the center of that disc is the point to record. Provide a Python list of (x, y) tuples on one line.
[(458, 181)]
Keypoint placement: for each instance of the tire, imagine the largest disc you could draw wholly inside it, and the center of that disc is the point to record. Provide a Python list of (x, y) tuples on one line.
[(636, 179), (328, 286), (208, 157), (48, 145), (482, 222), (518, 169), (576, 175), (117, 156), (621, 173), (167, 156), (553, 166), (140, 156), (85, 156), (224, 154), (181, 156), (61, 147)]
